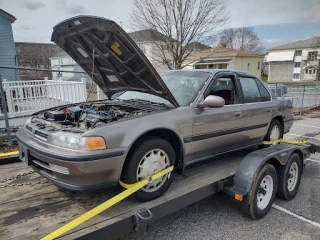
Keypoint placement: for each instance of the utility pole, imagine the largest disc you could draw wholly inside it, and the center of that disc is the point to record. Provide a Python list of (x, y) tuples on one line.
[(121, 24)]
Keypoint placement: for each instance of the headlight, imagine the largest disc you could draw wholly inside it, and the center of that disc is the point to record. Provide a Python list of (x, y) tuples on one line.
[(76, 141)]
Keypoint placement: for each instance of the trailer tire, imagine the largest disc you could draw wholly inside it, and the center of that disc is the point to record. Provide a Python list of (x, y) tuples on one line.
[(135, 160), (288, 187), (266, 182)]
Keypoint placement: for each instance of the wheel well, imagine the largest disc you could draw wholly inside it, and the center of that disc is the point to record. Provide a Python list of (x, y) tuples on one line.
[(171, 137), (280, 119)]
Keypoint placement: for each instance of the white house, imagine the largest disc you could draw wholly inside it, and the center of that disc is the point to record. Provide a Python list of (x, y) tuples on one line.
[(296, 61), (62, 61)]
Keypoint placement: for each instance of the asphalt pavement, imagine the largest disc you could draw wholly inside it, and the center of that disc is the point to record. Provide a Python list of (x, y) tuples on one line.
[(218, 216)]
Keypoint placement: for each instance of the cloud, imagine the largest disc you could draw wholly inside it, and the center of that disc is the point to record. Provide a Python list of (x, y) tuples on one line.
[(32, 4), (70, 7), (25, 27)]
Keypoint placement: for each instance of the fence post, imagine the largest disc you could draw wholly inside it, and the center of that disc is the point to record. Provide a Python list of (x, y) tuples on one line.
[(5, 113), (303, 90), (7, 92), (84, 89)]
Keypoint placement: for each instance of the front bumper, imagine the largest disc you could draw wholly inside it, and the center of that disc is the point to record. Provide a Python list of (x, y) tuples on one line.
[(86, 170)]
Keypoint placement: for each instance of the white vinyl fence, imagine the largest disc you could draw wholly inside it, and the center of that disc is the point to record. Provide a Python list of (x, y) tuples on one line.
[(27, 97)]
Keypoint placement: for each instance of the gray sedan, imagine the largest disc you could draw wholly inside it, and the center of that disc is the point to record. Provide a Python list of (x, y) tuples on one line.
[(150, 121)]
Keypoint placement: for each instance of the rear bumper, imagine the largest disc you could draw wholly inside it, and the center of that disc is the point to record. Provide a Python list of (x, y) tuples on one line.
[(77, 170)]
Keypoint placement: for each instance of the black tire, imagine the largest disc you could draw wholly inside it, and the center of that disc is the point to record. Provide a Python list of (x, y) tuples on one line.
[(284, 172), (252, 210), (272, 124), (140, 149)]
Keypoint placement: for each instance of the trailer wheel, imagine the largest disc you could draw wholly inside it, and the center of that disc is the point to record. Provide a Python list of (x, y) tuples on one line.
[(149, 156), (262, 193), (290, 177)]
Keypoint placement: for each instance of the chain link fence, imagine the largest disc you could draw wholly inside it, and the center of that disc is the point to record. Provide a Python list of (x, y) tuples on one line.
[(305, 98)]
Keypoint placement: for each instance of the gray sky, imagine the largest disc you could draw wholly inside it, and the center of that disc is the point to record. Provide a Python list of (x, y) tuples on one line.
[(35, 18)]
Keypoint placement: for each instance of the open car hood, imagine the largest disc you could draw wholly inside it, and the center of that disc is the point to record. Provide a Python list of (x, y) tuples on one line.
[(119, 64)]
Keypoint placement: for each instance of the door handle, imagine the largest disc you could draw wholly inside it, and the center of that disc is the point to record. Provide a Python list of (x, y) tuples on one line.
[(237, 114)]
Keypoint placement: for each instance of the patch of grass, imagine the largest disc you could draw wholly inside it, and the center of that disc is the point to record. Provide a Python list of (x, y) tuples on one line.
[(93, 97)]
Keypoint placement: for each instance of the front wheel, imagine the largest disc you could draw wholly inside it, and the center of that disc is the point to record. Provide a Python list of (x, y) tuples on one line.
[(262, 193), (149, 156)]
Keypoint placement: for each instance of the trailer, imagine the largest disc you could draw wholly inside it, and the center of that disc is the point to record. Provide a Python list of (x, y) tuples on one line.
[(33, 207)]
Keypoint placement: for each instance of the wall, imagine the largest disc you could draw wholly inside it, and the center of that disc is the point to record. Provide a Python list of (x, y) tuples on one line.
[(281, 71), (241, 64), (7, 49)]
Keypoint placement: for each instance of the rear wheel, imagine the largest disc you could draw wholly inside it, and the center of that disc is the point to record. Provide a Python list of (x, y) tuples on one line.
[(275, 131), (290, 177), (262, 193), (149, 156)]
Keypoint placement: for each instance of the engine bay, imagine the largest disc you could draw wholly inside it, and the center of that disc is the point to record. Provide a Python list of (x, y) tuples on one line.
[(82, 117)]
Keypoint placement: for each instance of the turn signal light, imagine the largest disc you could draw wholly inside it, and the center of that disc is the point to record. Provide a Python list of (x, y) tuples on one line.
[(95, 143)]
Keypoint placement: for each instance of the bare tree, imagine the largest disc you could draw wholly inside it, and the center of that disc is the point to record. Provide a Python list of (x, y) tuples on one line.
[(241, 38), (176, 23)]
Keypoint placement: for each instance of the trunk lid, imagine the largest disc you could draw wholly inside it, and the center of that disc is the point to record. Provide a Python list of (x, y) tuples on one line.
[(119, 64)]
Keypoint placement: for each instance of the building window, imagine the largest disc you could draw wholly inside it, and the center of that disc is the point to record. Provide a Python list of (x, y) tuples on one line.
[(52, 49), (40, 60), (296, 76), (298, 53), (312, 56), (18, 49), (297, 64), (259, 65), (248, 67), (39, 48), (310, 71)]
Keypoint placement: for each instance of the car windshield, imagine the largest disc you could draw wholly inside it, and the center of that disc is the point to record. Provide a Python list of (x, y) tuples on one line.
[(184, 85)]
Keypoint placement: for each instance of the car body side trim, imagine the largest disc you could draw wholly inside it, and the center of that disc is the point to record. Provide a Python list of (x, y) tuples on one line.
[(222, 133)]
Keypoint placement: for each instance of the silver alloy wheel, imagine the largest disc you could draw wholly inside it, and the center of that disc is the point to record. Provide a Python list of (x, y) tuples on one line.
[(265, 192), (275, 133), (293, 177), (152, 162)]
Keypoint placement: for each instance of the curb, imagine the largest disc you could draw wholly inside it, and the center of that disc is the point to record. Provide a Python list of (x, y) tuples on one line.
[(313, 115)]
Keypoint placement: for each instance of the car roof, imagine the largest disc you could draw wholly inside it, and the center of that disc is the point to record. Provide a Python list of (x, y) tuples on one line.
[(213, 71)]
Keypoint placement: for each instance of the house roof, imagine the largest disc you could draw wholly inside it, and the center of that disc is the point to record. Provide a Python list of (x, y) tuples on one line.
[(197, 46), (147, 35), (60, 54), (223, 52), (307, 43), (7, 15)]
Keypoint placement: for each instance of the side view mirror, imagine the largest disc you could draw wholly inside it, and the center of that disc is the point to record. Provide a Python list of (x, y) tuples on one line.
[(212, 101)]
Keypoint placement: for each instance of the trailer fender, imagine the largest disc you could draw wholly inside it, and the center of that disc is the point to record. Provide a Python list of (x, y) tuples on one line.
[(253, 162)]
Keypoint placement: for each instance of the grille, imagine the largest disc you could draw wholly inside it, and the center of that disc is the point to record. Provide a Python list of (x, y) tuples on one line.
[(41, 134), (29, 128)]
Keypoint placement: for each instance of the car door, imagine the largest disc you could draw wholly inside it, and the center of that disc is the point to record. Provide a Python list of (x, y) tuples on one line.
[(258, 109), (218, 130)]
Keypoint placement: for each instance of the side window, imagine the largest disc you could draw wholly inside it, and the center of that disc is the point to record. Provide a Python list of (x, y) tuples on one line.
[(250, 90), (265, 95), (224, 87)]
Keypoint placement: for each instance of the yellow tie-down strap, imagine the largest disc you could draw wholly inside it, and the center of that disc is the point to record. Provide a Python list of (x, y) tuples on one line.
[(131, 188), (9, 154), (295, 142)]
